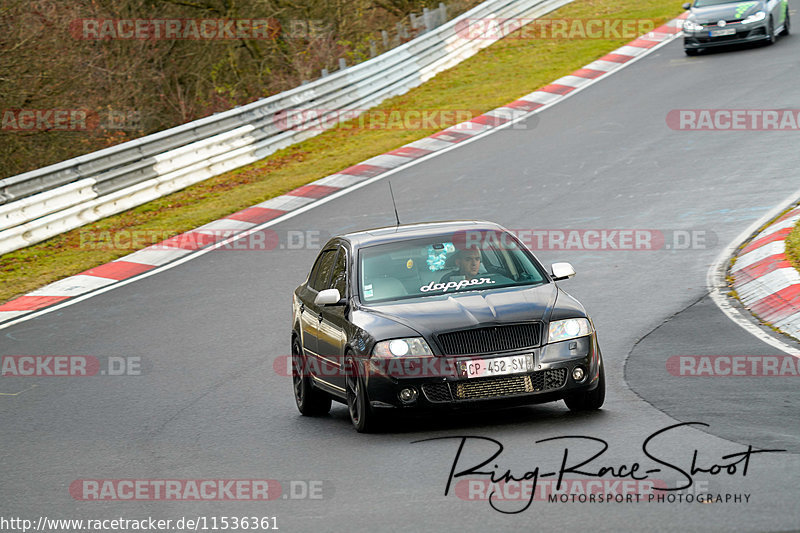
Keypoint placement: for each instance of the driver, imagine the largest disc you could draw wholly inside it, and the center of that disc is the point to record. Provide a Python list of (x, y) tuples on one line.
[(468, 263)]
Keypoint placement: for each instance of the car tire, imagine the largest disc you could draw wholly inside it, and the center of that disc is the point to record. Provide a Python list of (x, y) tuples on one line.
[(362, 415), (591, 400), (691, 51), (787, 23), (310, 401), (770, 32)]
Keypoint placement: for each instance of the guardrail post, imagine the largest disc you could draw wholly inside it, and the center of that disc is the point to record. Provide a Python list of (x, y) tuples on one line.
[(442, 13), (426, 16), (324, 72), (342, 63), (373, 48)]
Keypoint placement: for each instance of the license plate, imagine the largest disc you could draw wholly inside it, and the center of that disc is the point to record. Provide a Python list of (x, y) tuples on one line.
[(720, 33), (497, 366)]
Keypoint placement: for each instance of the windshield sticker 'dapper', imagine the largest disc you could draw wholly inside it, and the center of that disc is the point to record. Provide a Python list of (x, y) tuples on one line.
[(457, 285)]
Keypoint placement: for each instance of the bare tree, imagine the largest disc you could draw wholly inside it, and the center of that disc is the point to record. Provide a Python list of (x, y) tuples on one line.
[(130, 87)]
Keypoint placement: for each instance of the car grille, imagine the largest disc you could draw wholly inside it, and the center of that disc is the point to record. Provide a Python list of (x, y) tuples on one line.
[(714, 24), (491, 339), (485, 388), (549, 379), (437, 392), (494, 387)]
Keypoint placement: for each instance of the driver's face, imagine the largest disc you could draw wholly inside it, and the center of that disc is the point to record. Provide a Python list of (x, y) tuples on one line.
[(469, 262)]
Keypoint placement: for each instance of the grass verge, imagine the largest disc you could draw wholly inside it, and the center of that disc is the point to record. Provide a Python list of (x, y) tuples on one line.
[(496, 76), (793, 246)]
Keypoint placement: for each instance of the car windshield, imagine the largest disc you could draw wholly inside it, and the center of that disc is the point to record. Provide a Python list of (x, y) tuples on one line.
[(445, 264), (706, 3)]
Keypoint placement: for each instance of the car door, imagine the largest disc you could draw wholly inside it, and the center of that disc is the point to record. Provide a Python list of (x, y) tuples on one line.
[(332, 331), (309, 311)]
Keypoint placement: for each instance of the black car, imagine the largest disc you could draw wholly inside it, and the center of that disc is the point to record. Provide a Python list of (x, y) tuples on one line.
[(439, 315), (722, 22)]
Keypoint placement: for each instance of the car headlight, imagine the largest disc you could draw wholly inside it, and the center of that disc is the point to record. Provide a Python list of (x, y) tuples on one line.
[(755, 17), (692, 26), (413, 346), (571, 328)]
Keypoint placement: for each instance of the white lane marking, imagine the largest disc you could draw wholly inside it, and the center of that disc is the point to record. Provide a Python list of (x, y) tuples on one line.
[(791, 324), (8, 315), (571, 81), (282, 200), (718, 287), (155, 255), (605, 66), (339, 180), (767, 285), (77, 284), (631, 51), (428, 143), (469, 127), (285, 202), (751, 258), (224, 224), (786, 223), (504, 113), (386, 161), (544, 97), (655, 36)]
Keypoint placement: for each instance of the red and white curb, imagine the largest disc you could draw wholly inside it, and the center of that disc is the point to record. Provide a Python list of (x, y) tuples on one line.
[(764, 279), (181, 246)]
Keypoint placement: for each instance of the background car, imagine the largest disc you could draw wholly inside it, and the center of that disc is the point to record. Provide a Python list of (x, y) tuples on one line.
[(439, 315), (722, 22)]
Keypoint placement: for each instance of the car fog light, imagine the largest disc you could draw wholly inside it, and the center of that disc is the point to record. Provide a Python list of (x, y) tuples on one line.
[(578, 374), (408, 395)]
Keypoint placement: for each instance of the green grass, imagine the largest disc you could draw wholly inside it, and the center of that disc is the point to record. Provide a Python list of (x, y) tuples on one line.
[(793, 246), (496, 76)]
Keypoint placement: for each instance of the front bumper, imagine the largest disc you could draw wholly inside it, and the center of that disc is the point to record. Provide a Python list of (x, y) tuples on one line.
[(744, 34), (439, 385)]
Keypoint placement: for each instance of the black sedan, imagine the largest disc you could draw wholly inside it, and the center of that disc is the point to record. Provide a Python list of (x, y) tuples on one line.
[(722, 22), (439, 315)]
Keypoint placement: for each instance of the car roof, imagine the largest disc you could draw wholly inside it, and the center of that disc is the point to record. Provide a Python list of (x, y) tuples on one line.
[(405, 232)]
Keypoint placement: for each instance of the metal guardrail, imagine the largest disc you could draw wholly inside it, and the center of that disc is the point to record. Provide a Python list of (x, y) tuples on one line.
[(42, 203)]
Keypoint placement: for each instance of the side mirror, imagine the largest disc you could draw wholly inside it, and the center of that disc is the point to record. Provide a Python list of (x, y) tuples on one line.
[(561, 271), (687, 5), (328, 297)]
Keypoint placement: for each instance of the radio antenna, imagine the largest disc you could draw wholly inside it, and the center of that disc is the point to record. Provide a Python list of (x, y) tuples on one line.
[(393, 203)]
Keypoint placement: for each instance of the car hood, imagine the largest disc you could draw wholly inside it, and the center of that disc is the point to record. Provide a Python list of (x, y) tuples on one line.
[(434, 314), (733, 11)]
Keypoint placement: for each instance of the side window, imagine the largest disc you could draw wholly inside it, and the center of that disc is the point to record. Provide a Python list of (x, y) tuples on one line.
[(339, 278), (492, 261), (318, 280)]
